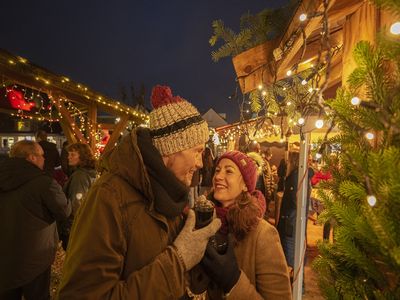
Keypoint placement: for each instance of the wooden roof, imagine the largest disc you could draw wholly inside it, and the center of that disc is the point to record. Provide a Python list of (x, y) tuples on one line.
[(251, 70), (60, 89)]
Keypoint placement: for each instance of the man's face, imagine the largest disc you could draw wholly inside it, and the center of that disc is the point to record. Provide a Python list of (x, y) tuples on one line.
[(184, 163), (37, 158)]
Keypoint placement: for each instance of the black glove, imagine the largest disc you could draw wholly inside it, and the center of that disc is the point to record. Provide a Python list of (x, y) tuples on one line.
[(222, 268)]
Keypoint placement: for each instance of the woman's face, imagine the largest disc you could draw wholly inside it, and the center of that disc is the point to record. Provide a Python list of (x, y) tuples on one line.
[(228, 182), (73, 158)]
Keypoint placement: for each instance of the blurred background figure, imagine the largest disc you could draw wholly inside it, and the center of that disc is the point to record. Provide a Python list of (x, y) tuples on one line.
[(51, 154), (82, 163), (207, 172), (4, 150), (269, 177), (254, 153), (31, 202)]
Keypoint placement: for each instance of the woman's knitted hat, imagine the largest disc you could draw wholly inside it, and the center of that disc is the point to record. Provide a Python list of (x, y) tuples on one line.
[(175, 124), (246, 165)]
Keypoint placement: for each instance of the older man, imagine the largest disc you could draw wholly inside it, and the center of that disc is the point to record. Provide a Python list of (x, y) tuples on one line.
[(128, 241), (30, 203)]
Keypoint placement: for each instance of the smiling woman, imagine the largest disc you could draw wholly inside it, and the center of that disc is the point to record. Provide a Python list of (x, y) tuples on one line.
[(253, 266)]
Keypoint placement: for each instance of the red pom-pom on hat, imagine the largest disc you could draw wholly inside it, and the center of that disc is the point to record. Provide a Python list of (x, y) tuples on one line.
[(162, 95)]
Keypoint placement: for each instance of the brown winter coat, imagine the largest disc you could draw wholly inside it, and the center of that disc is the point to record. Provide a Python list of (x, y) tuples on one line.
[(120, 246), (265, 274)]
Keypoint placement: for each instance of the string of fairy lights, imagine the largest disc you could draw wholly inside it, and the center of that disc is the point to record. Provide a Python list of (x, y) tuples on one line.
[(267, 99), (33, 103)]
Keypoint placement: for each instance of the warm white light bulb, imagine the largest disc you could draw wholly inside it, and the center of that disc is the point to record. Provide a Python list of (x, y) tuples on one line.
[(289, 72), (288, 103), (304, 82), (303, 17), (264, 93), (395, 28), (318, 155), (260, 86), (319, 123), (371, 200), (301, 121), (355, 101), (369, 135)]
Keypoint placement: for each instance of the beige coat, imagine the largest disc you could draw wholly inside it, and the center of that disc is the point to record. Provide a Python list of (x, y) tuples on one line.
[(264, 271)]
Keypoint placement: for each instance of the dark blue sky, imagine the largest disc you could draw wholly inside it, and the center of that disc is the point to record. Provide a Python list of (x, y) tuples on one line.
[(106, 44)]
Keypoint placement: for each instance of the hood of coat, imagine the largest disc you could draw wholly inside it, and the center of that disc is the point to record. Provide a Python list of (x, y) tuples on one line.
[(136, 160), (15, 172)]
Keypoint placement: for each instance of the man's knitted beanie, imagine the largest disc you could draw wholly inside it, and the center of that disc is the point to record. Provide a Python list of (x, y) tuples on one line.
[(175, 124), (246, 165)]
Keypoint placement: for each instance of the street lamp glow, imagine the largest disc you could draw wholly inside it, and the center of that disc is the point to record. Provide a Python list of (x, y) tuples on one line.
[(369, 135), (395, 28), (303, 17), (355, 101), (371, 200), (319, 123)]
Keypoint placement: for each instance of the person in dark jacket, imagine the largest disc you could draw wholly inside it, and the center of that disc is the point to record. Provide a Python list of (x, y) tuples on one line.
[(129, 239), (30, 203), (82, 163), (51, 154), (288, 213)]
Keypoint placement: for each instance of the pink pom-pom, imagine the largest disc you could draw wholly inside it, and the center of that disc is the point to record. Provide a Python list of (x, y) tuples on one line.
[(161, 95)]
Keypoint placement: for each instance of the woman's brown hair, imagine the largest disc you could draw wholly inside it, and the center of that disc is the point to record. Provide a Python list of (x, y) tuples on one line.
[(243, 216), (86, 157)]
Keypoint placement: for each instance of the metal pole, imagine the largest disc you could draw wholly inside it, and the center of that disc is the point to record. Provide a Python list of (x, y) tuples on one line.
[(301, 217)]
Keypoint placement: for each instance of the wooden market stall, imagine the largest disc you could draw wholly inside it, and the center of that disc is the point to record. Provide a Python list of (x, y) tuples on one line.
[(72, 104), (320, 33), (299, 46)]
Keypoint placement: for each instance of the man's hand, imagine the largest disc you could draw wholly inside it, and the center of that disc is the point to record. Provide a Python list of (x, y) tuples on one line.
[(191, 244)]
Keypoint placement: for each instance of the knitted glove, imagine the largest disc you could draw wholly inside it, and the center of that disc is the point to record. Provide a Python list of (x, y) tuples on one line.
[(222, 269), (191, 244)]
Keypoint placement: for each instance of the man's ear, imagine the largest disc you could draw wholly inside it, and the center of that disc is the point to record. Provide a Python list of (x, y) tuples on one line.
[(30, 158)]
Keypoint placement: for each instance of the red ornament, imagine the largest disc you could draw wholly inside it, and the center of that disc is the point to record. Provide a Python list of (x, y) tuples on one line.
[(17, 100)]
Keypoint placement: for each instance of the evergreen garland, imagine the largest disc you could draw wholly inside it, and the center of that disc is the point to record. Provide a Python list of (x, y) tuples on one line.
[(363, 262), (254, 30)]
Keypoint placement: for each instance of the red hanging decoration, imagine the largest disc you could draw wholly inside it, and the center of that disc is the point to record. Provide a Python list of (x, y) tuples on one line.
[(17, 100)]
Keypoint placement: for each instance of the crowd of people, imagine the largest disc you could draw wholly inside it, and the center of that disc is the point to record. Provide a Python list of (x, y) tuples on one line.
[(129, 233)]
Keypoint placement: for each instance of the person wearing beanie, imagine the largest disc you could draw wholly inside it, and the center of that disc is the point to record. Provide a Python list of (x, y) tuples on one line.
[(130, 239), (253, 265)]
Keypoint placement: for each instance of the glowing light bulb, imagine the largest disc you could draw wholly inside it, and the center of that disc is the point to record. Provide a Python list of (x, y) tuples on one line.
[(395, 28), (288, 103), (310, 90), (301, 121), (260, 86), (371, 199), (319, 123), (369, 135), (355, 101), (318, 155), (289, 72), (304, 82), (264, 93), (303, 17)]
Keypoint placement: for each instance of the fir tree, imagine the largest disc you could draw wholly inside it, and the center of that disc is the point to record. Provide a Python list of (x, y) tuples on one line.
[(363, 199)]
